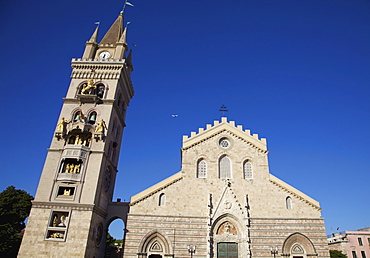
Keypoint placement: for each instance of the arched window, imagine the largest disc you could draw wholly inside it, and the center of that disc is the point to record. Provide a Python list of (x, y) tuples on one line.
[(247, 169), (92, 118), (224, 168), (78, 116), (100, 90), (162, 199), (289, 204), (202, 169)]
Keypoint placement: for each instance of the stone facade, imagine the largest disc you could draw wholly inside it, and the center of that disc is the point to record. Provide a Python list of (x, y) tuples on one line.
[(225, 202)]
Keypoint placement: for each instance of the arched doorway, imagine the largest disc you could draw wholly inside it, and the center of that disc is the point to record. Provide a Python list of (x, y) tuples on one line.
[(155, 244), (298, 245), (228, 237)]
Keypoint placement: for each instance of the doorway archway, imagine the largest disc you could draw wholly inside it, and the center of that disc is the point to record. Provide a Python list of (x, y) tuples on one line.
[(155, 244)]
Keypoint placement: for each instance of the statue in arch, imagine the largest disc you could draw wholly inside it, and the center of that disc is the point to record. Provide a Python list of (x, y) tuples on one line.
[(87, 87)]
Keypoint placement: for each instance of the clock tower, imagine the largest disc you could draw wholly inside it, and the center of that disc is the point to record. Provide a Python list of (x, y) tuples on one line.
[(69, 214)]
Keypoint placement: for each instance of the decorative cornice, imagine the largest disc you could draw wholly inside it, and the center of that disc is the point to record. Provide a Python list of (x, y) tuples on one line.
[(72, 206), (97, 68), (76, 101), (209, 132)]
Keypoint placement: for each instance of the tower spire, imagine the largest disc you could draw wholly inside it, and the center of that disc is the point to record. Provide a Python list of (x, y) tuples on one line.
[(114, 33)]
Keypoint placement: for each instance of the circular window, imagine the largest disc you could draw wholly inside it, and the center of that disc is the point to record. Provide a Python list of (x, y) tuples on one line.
[(224, 143)]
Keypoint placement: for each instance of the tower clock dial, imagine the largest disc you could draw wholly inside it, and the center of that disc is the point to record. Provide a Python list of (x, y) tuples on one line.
[(104, 55)]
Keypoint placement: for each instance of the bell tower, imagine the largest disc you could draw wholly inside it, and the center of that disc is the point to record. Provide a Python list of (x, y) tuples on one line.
[(76, 186)]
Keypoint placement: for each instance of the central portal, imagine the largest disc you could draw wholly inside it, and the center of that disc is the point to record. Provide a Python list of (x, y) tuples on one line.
[(227, 250), (155, 256)]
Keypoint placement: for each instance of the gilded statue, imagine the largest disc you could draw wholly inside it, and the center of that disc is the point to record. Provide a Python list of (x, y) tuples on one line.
[(55, 220), (100, 127), (62, 221), (76, 169), (67, 192), (88, 86), (60, 125), (66, 170), (57, 235)]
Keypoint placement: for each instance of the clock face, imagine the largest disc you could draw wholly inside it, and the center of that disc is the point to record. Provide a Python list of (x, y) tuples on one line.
[(104, 55)]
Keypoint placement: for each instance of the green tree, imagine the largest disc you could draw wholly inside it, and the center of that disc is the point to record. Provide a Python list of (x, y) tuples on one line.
[(15, 206), (110, 240), (337, 254)]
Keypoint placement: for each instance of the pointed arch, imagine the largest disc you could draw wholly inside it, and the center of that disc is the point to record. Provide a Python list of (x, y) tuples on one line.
[(92, 117), (155, 242), (100, 89), (77, 115), (227, 230), (298, 244)]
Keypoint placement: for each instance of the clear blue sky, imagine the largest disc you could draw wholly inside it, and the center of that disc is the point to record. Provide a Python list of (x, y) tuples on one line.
[(295, 72)]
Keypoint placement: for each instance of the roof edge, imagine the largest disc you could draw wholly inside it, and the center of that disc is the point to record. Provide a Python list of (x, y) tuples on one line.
[(155, 188), (294, 191)]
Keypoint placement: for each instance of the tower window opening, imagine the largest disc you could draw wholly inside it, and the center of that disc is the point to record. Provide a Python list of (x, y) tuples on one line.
[(100, 90), (78, 116), (66, 192), (57, 226), (59, 219), (71, 166), (92, 118), (78, 138)]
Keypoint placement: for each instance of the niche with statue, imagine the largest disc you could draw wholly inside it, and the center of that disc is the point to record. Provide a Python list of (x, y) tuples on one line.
[(58, 224), (90, 91)]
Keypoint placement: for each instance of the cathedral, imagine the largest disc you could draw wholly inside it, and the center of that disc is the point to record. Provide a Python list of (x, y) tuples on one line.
[(223, 203)]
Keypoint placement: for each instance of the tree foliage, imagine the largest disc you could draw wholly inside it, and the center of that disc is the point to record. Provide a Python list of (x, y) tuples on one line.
[(15, 206), (110, 240), (337, 254)]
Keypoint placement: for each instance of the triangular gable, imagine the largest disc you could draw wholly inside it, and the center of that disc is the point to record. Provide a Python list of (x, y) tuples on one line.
[(218, 127), (228, 203)]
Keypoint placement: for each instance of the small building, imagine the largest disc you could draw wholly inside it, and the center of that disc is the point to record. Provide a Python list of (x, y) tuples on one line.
[(354, 244)]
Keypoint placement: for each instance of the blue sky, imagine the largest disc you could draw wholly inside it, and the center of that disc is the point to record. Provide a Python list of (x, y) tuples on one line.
[(295, 72)]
